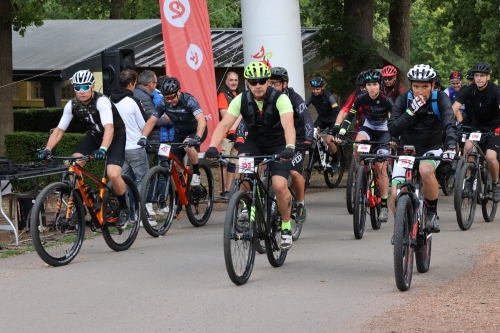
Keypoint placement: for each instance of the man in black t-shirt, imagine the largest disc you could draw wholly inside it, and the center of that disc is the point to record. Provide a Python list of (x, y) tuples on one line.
[(484, 97)]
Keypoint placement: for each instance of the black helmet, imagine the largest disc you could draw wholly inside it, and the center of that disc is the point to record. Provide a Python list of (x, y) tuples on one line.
[(317, 82), (279, 72), (470, 74), (437, 80), (170, 86), (373, 75), (360, 80), (481, 67), (456, 76)]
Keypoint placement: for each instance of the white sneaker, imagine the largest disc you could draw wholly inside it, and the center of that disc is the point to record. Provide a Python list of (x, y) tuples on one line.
[(151, 222), (164, 210), (149, 208), (195, 180), (286, 240)]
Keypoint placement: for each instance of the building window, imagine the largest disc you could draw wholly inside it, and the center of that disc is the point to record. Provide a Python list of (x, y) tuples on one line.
[(36, 90), (15, 90), (67, 91)]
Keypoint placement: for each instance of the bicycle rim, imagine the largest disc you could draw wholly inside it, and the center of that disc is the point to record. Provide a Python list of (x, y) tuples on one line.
[(333, 180), (57, 239), (239, 239), (201, 198), (403, 251)]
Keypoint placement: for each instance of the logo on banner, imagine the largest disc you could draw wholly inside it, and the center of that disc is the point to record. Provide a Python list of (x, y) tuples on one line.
[(176, 12), (263, 56), (194, 56)]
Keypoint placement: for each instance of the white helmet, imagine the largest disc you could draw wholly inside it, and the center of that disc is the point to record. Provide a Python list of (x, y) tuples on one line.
[(83, 77), (422, 73)]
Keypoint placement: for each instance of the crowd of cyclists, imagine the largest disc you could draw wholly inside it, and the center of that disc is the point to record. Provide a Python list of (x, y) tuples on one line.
[(271, 118)]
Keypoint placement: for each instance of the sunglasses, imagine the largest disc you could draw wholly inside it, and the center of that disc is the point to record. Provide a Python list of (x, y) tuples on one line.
[(369, 78), (390, 78), (170, 98), (82, 87), (253, 83), (275, 83)]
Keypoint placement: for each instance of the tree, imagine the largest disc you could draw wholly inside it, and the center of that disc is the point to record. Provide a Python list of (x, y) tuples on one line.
[(399, 37), (17, 17)]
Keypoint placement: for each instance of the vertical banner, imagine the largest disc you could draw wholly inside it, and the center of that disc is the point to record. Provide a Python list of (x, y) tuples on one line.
[(275, 42), (188, 54)]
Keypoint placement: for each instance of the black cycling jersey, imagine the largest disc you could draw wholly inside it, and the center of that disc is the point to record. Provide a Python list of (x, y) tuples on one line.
[(376, 110), (182, 115), (423, 130), (302, 119), (468, 109), (485, 104), (326, 106)]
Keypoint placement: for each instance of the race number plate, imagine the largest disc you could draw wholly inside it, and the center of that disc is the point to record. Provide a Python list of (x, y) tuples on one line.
[(363, 148), (475, 136), (406, 161), (164, 150), (246, 164)]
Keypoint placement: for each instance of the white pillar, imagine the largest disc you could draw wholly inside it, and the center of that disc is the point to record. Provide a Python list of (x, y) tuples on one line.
[(272, 32)]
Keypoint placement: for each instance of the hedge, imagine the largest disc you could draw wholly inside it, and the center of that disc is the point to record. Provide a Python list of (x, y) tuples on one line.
[(42, 120)]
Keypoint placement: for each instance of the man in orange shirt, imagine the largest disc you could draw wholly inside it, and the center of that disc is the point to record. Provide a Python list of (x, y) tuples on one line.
[(225, 95)]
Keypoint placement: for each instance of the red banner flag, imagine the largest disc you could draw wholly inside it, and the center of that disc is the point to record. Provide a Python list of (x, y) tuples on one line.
[(188, 54)]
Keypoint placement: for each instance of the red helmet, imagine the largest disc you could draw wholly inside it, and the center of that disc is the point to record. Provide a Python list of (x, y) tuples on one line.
[(389, 71)]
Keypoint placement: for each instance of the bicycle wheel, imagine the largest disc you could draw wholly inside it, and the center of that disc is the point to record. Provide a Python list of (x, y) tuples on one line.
[(296, 226), (201, 198), (275, 256), (120, 238), (239, 240), (333, 180), (447, 178), (351, 186), (57, 239), (162, 200), (233, 189), (375, 211), (403, 251), (359, 217), (306, 172), (424, 246), (488, 207), (465, 196)]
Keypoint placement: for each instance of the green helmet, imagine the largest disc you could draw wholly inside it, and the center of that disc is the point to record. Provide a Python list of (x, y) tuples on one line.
[(256, 70)]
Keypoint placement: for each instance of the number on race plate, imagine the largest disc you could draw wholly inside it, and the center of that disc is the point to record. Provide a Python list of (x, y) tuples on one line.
[(406, 161), (475, 136), (164, 150), (246, 164), (364, 148)]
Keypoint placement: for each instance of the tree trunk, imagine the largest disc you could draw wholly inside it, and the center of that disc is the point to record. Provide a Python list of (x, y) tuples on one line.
[(6, 115), (399, 38), (362, 13), (116, 8)]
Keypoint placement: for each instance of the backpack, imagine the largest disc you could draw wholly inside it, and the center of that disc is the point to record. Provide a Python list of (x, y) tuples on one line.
[(435, 108)]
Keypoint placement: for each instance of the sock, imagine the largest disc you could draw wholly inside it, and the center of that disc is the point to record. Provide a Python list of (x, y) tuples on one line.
[(196, 168), (335, 158), (301, 203), (496, 183), (122, 200), (431, 205), (286, 225), (383, 203)]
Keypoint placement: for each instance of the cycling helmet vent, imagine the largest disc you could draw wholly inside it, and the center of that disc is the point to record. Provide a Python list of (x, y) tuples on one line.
[(256, 70), (83, 77), (279, 72), (422, 73), (170, 86), (389, 71), (373, 75), (481, 67), (317, 82)]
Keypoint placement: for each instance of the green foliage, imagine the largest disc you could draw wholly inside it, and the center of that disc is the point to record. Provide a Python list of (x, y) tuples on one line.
[(24, 13), (42, 120)]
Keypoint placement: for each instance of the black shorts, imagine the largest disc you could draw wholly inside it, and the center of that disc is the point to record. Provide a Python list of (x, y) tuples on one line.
[(251, 148), (116, 151), (489, 142), (298, 161), (180, 137), (375, 135), (321, 124)]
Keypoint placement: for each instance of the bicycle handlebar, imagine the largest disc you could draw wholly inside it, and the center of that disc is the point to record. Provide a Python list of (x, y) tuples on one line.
[(265, 158)]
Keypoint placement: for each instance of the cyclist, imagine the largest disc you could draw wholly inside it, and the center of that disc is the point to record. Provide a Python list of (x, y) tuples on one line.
[(360, 82), (468, 108), (391, 87), (328, 109), (484, 97), (376, 106), (413, 120), (304, 135), (437, 84), (269, 116), (456, 83), (106, 135), (181, 109)]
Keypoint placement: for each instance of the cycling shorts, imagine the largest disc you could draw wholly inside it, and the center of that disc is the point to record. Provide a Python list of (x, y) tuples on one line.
[(252, 148), (398, 172), (321, 124), (374, 135), (116, 150), (180, 137), (298, 161)]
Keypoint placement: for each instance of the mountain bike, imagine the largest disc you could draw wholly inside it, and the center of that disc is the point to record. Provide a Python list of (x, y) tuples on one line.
[(168, 190), (251, 216), (411, 235), (57, 221), (364, 192), (474, 185), (320, 158)]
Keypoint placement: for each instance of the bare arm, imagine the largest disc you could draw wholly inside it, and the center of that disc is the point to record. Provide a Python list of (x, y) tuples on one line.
[(109, 132), (149, 125), (54, 138), (202, 124), (340, 118), (456, 110), (288, 126)]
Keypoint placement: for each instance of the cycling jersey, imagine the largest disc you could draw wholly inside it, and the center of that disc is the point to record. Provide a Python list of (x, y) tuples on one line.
[(326, 106), (348, 106), (392, 92), (183, 114), (485, 105), (95, 115), (262, 117), (376, 110), (423, 130), (301, 117), (468, 110), (451, 93)]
